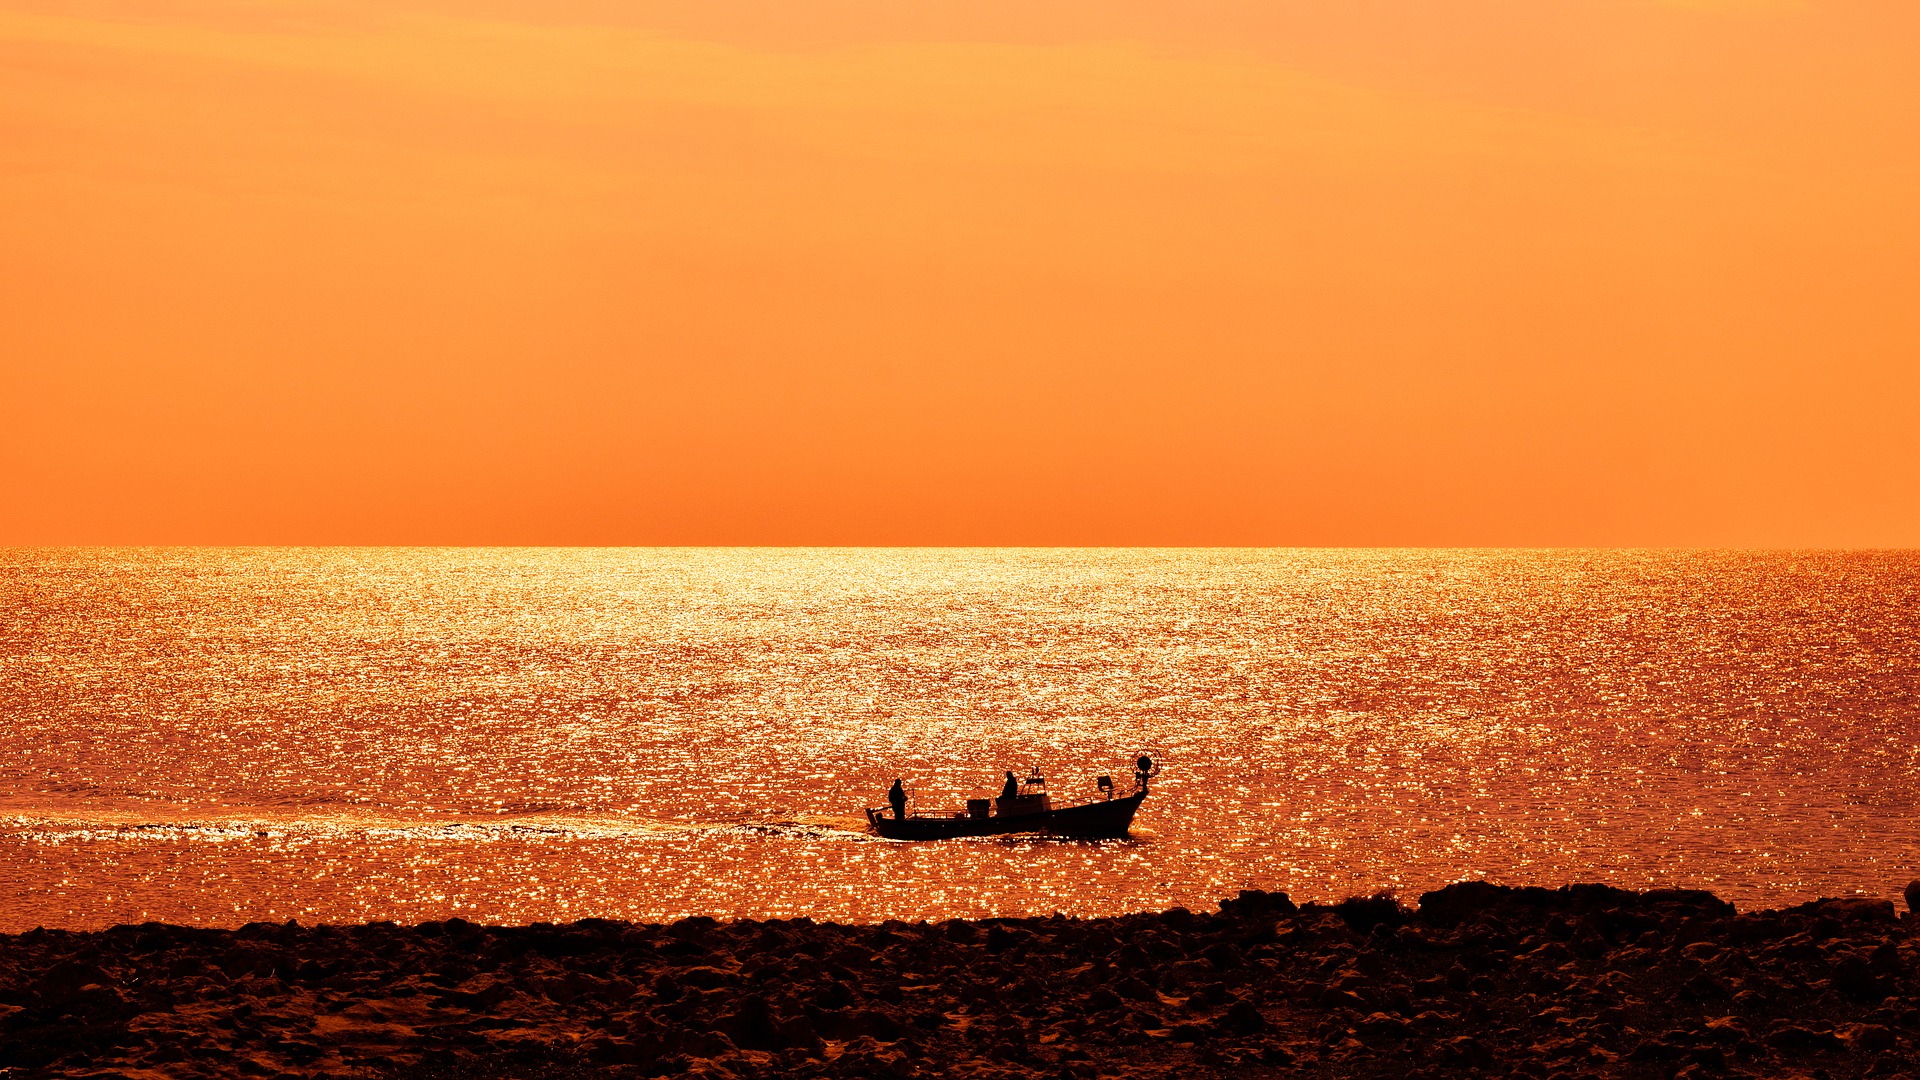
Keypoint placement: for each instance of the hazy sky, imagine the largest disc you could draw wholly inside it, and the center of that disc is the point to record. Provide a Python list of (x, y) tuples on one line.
[(978, 271)]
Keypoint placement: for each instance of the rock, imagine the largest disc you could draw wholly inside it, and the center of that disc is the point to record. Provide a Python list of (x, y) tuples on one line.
[(64, 981), (1855, 978), (1681, 902), (1334, 998), (1255, 903), (1466, 1050), (1000, 939), (1913, 897), (1527, 982), (1704, 989), (1222, 955), (1726, 1030), (1850, 909), (836, 995), (1658, 1049), (1709, 1058), (750, 1025), (607, 1050), (1459, 902), (1362, 914), (1890, 1065), (1243, 1019), (704, 977), (1871, 1039), (478, 994), (874, 1022), (797, 1033), (1794, 1039), (1551, 954), (1381, 1028)]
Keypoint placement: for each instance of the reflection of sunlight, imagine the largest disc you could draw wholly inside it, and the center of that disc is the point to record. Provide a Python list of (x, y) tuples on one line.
[(655, 733)]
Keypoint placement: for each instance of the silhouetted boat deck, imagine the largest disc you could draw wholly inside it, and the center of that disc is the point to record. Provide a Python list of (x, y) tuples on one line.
[(1025, 811)]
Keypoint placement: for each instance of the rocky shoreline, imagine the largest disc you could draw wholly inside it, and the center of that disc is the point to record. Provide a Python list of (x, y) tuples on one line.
[(1584, 980)]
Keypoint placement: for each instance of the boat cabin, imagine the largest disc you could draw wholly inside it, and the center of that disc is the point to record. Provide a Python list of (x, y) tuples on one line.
[(1031, 799)]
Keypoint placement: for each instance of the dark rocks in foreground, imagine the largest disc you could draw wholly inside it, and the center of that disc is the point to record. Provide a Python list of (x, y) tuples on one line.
[(1482, 980)]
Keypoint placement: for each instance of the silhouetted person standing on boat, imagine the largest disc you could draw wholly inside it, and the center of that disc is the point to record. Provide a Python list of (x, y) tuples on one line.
[(897, 795), (1011, 789)]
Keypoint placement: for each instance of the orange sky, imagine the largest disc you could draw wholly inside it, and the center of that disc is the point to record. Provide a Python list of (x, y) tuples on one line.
[(960, 271)]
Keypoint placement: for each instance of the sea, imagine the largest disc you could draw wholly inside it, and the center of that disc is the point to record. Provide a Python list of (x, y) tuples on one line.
[(331, 735)]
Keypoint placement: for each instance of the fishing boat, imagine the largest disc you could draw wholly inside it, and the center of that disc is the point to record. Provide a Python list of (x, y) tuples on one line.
[(1024, 808)]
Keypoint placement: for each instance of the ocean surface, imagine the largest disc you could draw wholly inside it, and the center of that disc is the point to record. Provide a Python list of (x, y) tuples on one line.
[(333, 735)]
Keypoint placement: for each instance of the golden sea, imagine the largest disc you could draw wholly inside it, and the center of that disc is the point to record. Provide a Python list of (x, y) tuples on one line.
[(337, 735)]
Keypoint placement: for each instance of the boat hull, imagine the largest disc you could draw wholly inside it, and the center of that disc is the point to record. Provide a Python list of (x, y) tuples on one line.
[(1093, 821)]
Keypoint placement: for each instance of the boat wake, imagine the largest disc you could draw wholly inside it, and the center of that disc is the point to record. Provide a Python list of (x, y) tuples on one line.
[(241, 827)]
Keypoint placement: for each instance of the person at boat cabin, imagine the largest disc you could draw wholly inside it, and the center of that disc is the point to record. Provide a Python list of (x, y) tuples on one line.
[(897, 795), (1011, 789)]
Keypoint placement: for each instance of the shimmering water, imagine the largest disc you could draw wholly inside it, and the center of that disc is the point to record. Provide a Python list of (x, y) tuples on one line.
[(216, 737)]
